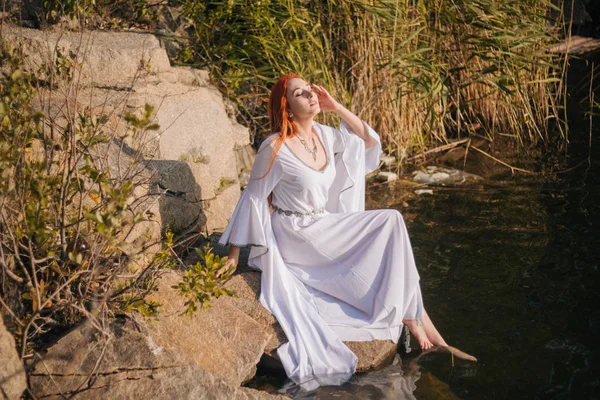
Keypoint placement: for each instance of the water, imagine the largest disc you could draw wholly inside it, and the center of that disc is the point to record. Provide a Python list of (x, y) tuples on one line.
[(509, 273)]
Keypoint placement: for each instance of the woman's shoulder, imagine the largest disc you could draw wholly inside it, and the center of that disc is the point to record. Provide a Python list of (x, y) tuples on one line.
[(321, 126), (268, 143), (325, 129)]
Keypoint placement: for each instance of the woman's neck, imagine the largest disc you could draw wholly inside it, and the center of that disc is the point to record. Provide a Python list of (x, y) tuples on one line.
[(304, 128)]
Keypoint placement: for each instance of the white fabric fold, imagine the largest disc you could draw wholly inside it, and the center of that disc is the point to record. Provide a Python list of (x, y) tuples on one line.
[(347, 192), (251, 224)]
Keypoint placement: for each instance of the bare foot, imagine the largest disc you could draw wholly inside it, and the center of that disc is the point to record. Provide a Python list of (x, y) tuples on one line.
[(419, 333), (432, 334)]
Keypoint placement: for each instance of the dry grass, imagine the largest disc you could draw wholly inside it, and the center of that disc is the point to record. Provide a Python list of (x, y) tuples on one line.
[(421, 72)]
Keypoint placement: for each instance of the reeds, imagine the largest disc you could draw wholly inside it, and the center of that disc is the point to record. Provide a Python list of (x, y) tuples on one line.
[(420, 71)]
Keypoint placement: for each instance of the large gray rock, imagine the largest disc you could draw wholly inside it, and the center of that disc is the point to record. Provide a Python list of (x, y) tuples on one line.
[(196, 130), (180, 204), (371, 355), (12, 375), (126, 365), (122, 72), (222, 339), (107, 59), (247, 288)]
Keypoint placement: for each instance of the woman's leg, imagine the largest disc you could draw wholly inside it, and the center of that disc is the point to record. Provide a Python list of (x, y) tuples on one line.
[(428, 336), (425, 332), (432, 334)]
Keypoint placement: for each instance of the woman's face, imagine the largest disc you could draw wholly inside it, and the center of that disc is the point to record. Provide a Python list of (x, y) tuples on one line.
[(301, 99)]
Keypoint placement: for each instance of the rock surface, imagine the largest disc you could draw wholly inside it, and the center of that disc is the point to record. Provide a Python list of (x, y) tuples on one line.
[(12, 375), (222, 339), (384, 176), (127, 365), (119, 73), (387, 160), (433, 175)]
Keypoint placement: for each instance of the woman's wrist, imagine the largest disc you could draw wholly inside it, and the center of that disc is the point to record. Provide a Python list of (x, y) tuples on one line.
[(337, 109)]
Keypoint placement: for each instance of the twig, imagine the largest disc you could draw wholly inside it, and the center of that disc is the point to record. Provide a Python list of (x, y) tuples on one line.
[(466, 154), (591, 98), (7, 270), (50, 374), (438, 149), (8, 310), (513, 169)]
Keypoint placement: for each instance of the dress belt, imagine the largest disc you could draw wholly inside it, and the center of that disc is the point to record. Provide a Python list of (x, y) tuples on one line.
[(298, 213)]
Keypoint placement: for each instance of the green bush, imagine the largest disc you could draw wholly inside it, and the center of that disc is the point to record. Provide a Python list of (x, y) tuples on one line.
[(68, 250)]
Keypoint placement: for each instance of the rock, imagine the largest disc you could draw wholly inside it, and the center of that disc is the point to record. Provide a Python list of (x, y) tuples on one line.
[(423, 191), (124, 165), (440, 176), (13, 381), (247, 287), (180, 204), (387, 160), (122, 72), (433, 175), (222, 339), (384, 176), (126, 365), (371, 355), (421, 177), (245, 159), (107, 58)]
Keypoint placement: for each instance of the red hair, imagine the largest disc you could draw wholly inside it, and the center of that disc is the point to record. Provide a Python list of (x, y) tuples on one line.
[(279, 119)]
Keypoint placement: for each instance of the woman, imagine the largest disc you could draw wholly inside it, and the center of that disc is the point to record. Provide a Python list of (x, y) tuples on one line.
[(331, 271)]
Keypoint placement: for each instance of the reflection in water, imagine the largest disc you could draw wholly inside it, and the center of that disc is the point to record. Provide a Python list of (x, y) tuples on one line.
[(404, 379), (390, 383)]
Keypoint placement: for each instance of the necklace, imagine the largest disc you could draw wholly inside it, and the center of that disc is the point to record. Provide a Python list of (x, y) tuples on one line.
[(313, 152)]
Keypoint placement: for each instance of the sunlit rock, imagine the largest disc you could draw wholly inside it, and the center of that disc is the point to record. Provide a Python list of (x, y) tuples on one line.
[(433, 175)]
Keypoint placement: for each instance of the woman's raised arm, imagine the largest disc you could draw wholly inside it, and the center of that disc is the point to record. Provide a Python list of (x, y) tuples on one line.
[(327, 103)]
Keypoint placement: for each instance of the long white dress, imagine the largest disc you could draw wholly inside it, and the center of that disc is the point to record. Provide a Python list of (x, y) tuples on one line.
[(340, 274)]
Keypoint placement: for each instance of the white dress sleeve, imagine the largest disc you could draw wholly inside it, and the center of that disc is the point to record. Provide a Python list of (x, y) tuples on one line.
[(250, 223), (352, 162)]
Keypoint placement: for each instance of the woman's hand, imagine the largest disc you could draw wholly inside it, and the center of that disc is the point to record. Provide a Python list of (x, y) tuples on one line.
[(326, 101), (230, 265)]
